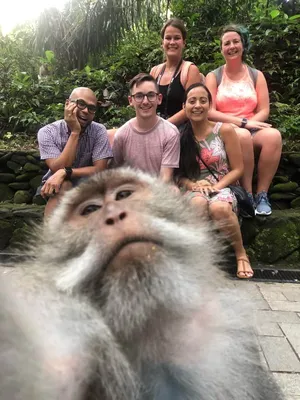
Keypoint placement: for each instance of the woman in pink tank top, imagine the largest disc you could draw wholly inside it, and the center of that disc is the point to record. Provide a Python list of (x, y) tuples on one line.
[(241, 97)]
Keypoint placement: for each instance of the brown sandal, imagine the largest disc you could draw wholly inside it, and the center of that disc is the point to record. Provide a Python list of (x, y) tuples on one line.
[(244, 274)]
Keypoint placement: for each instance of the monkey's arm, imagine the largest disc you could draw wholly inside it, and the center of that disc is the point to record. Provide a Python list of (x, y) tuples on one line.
[(55, 347), (211, 353)]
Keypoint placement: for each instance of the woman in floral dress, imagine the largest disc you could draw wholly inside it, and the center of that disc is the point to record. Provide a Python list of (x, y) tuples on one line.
[(214, 145)]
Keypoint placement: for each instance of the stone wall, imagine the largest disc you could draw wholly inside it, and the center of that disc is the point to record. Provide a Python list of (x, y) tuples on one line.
[(20, 175), (273, 240)]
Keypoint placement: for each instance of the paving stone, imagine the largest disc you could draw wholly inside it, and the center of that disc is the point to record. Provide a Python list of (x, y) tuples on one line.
[(269, 329), (249, 288), (270, 295), (261, 316), (289, 383), (292, 332), (278, 285), (279, 354), (260, 304), (292, 294), (263, 360), (285, 305)]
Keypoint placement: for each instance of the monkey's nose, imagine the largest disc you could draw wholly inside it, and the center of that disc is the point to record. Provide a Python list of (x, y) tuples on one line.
[(113, 219)]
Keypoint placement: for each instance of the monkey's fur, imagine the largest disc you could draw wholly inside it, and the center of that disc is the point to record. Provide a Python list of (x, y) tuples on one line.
[(126, 302)]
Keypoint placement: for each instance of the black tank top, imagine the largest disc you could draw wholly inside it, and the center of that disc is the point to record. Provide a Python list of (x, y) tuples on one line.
[(175, 99)]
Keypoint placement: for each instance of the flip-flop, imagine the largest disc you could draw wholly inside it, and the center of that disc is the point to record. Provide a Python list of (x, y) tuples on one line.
[(244, 274)]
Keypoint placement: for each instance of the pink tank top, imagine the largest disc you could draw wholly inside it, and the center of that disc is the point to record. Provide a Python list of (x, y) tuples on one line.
[(238, 98)]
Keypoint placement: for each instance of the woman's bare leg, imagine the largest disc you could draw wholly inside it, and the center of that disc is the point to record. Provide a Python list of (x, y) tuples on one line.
[(227, 221)]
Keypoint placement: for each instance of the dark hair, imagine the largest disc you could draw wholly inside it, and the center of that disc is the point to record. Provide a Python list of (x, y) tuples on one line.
[(189, 149), (177, 23), (193, 86), (140, 78), (244, 35)]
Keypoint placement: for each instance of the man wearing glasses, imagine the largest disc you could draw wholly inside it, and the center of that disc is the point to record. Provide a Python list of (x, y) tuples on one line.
[(147, 142), (73, 148)]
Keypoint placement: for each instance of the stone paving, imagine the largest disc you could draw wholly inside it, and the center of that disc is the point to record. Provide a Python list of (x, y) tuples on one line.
[(277, 318)]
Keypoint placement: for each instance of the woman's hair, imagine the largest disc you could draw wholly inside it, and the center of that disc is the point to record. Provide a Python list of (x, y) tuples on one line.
[(176, 23), (189, 149), (244, 34), (195, 85)]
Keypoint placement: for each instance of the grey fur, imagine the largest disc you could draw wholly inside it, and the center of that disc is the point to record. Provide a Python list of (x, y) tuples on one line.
[(159, 329)]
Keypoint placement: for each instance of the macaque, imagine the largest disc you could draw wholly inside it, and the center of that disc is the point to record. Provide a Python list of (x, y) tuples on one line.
[(121, 298), (44, 72)]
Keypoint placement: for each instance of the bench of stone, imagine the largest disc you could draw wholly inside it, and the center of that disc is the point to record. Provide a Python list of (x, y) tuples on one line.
[(272, 240)]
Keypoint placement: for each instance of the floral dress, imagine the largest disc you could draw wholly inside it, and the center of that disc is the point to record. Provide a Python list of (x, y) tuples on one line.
[(214, 155)]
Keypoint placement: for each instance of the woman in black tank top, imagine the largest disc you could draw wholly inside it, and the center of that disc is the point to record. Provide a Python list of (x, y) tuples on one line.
[(171, 74), (175, 98)]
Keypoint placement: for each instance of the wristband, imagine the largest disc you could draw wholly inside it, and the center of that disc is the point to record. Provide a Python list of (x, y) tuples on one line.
[(244, 122), (68, 171)]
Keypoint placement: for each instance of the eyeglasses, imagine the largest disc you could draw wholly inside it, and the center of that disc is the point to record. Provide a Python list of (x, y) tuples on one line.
[(81, 104), (139, 97)]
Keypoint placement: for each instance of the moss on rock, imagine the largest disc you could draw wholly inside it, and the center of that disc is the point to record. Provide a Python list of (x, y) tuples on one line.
[(5, 192), (283, 196), (296, 203), (36, 182), (280, 179), (6, 231), (284, 187), (276, 242), (6, 177), (22, 196), (20, 237), (295, 159), (29, 167)]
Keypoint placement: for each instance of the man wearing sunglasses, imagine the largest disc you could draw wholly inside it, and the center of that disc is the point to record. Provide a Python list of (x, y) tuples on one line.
[(73, 148), (147, 142)]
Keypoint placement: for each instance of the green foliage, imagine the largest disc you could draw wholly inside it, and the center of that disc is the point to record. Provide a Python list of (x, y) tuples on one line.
[(28, 103), (117, 116), (88, 27)]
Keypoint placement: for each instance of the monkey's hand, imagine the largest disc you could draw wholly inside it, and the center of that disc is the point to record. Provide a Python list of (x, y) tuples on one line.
[(53, 184), (71, 118)]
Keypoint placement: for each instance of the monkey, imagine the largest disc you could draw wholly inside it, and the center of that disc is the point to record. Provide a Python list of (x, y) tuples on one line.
[(47, 352), (44, 72), (122, 297)]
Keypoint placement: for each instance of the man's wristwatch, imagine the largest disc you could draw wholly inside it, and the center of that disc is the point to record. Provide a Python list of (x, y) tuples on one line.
[(68, 171), (244, 122)]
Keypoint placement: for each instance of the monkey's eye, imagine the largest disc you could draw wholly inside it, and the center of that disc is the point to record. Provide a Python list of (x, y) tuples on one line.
[(90, 209), (123, 194)]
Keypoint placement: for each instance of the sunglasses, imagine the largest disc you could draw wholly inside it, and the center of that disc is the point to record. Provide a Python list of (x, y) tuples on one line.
[(81, 105)]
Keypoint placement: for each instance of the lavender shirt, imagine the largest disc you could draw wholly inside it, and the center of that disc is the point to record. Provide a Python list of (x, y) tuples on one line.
[(93, 144)]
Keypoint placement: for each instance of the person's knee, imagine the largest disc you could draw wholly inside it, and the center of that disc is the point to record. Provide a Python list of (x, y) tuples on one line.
[(200, 203), (274, 137), (270, 138), (220, 210), (244, 135)]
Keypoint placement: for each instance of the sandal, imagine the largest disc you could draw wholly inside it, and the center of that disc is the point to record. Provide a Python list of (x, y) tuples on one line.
[(244, 274)]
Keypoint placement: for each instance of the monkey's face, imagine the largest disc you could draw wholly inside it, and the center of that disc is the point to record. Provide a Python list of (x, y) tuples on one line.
[(122, 236)]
